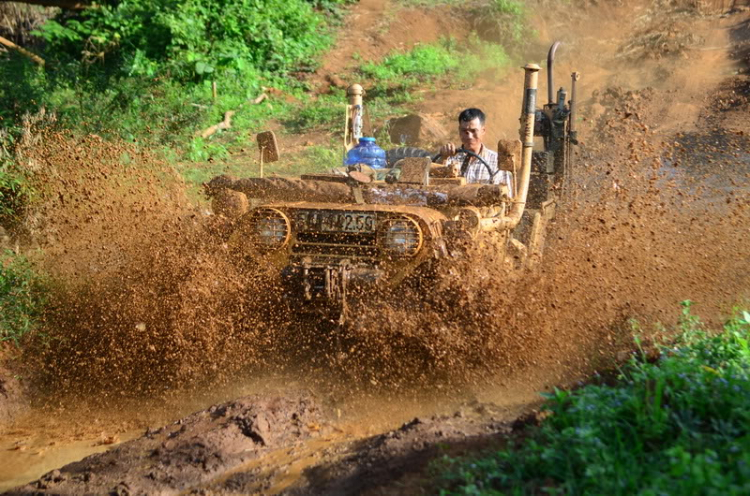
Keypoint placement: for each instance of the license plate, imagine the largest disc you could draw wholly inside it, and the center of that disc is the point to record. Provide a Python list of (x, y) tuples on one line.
[(335, 221)]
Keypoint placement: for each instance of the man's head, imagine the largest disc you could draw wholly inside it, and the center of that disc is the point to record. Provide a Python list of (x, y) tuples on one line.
[(471, 129)]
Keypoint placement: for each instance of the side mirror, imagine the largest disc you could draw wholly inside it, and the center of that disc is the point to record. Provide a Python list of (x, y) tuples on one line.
[(268, 148)]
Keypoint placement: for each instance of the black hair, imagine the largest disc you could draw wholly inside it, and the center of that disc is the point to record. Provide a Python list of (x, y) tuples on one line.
[(470, 114)]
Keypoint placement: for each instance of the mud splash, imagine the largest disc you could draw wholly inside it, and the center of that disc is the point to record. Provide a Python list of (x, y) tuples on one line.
[(144, 297), (147, 302), (148, 299)]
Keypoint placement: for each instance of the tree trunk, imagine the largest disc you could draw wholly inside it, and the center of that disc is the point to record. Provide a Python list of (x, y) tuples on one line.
[(22, 51)]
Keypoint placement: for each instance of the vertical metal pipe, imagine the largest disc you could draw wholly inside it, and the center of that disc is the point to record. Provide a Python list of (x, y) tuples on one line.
[(551, 72), (354, 117), (531, 82), (574, 77), (562, 95)]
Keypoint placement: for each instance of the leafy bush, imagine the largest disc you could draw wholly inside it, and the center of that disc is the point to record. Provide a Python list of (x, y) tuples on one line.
[(22, 87), (188, 40), (143, 70), (22, 297), (677, 426)]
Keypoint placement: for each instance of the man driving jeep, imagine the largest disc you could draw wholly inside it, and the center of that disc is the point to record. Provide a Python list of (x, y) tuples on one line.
[(471, 129)]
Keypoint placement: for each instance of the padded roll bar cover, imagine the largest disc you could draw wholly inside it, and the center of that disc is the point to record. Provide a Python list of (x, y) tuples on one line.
[(283, 189), (478, 195)]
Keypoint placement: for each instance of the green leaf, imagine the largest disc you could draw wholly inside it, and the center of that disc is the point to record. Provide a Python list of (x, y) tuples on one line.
[(203, 68)]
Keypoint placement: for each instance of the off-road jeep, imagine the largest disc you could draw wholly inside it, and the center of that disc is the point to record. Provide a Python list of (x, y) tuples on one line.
[(327, 234)]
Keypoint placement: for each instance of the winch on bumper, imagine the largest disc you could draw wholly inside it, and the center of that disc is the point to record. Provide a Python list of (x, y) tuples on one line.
[(322, 283)]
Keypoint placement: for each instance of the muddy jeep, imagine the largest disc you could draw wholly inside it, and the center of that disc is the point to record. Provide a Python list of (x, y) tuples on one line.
[(325, 235)]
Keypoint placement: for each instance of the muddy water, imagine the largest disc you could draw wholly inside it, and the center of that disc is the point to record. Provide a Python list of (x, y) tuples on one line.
[(52, 437), (28, 454), (152, 318)]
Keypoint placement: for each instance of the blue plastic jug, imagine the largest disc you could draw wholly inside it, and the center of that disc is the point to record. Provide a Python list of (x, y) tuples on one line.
[(366, 152)]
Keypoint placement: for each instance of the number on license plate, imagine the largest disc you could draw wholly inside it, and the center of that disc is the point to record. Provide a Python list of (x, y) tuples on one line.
[(328, 221)]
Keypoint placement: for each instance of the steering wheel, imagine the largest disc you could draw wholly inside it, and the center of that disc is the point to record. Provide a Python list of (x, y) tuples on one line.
[(472, 154)]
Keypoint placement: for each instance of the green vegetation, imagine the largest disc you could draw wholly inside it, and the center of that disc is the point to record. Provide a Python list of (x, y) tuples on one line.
[(506, 22), (447, 58), (327, 111), (143, 70), (22, 297), (501, 21), (675, 426), (421, 62), (14, 190), (316, 158), (12, 193), (509, 7), (393, 80)]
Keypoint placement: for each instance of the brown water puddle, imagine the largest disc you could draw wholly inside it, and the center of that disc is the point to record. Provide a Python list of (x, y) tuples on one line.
[(26, 453), (47, 439)]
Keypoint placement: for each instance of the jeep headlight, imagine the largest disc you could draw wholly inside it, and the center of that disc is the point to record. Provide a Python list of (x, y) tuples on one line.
[(269, 229), (401, 236)]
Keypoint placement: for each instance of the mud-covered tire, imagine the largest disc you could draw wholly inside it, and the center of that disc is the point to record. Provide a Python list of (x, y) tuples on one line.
[(395, 154)]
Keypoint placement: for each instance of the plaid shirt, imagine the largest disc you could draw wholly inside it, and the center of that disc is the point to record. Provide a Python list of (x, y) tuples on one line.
[(476, 171)]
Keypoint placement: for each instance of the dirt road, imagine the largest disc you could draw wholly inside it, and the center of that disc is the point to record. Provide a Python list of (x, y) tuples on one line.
[(659, 215)]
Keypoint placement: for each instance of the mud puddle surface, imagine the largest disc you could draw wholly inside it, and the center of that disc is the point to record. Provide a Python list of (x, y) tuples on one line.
[(150, 307), (270, 443), (192, 450)]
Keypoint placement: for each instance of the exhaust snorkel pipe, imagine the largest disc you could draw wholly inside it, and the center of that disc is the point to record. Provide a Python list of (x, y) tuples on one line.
[(528, 118), (551, 72)]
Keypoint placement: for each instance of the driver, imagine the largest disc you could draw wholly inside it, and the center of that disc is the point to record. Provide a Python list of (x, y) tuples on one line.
[(471, 129)]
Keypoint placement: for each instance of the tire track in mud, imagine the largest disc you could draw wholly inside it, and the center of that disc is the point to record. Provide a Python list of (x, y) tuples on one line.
[(150, 303)]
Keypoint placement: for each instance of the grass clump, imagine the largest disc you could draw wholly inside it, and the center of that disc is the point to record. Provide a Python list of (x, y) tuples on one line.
[(421, 62), (508, 7), (22, 297), (15, 190), (317, 159), (391, 81), (326, 112), (13, 194), (426, 63), (505, 21), (675, 426)]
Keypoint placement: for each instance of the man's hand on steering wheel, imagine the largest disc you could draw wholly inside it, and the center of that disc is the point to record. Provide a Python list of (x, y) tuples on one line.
[(447, 150)]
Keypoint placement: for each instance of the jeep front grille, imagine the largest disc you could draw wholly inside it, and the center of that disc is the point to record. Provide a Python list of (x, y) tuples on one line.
[(336, 244)]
